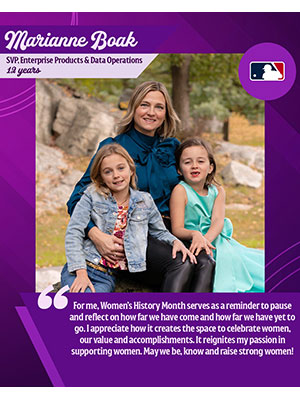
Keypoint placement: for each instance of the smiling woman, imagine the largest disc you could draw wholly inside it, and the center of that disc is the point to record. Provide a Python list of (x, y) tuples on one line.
[(150, 114), (147, 132)]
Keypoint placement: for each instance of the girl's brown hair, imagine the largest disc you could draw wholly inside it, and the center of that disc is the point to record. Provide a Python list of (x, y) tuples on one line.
[(196, 141), (106, 151), (171, 123)]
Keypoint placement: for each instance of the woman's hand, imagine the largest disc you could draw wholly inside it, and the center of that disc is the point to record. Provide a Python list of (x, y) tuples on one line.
[(81, 282), (179, 246), (199, 243), (109, 246)]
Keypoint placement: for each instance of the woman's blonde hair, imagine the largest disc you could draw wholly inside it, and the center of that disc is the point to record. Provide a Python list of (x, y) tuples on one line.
[(171, 123), (105, 151)]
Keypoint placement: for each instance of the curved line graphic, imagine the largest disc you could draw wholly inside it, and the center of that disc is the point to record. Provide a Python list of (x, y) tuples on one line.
[(284, 251), (20, 102), (20, 109), (17, 95), (74, 19), (292, 273), (282, 268)]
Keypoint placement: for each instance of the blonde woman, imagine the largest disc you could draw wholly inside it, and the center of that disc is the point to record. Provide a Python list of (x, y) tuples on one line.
[(147, 132)]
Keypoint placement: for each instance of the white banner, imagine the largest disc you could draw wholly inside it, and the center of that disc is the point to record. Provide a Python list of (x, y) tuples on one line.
[(73, 65)]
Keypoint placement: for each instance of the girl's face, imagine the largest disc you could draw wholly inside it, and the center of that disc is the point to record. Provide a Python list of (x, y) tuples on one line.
[(195, 165), (150, 113), (116, 173)]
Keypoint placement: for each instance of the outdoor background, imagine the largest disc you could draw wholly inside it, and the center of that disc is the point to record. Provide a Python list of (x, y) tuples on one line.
[(74, 115)]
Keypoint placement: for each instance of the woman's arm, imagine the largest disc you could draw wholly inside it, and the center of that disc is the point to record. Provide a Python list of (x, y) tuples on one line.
[(217, 217), (178, 202), (109, 246)]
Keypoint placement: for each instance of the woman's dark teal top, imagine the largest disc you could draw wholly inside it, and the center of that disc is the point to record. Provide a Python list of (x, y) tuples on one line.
[(155, 167)]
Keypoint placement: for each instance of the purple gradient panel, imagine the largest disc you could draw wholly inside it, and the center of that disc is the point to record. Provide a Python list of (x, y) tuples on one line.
[(39, 346), (196, 32), (151, 371), (17, 205), (143, 39), (282, 201)]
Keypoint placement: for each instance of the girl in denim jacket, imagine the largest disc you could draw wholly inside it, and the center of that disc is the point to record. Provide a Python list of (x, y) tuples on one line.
[(117, 208)]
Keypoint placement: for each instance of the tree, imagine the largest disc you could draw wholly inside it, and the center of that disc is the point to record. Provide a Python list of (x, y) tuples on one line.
[(180, 71), (206, 86)]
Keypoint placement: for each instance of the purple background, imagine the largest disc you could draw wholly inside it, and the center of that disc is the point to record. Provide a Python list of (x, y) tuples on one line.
[(194, 33)]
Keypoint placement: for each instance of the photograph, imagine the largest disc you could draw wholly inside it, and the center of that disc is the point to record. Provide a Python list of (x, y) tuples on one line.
[(162, 168)]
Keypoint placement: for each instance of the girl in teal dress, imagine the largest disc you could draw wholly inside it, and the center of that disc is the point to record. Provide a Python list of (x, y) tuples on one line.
[(197, 209)]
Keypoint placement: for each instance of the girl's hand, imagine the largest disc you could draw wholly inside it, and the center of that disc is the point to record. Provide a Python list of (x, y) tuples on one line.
[(199, 243), (109, 246), (81, 282), (179, 246)]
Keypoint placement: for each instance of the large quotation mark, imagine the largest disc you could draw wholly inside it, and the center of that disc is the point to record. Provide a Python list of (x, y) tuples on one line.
[(59, 301)]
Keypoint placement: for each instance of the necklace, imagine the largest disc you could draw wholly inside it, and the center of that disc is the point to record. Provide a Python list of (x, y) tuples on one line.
[(120, 203)]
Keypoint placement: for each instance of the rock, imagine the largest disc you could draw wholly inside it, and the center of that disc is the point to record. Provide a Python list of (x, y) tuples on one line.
[(236, 173), (54, 181), (48, 96), (252, 156), (259, 161), (81, 124), (46, 276), (49, 160), (74, 123)]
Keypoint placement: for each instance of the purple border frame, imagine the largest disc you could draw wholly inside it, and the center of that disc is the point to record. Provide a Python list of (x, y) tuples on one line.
[(192, 33)]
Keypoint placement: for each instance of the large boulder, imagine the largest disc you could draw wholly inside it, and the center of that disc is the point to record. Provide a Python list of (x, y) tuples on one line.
[(48, 96), (45, 277), (236, 173), (55, 181), (252, 156), (81, 124), (50, 160)]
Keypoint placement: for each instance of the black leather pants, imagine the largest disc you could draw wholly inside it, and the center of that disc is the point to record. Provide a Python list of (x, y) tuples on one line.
[(204, 272), (173, 275)]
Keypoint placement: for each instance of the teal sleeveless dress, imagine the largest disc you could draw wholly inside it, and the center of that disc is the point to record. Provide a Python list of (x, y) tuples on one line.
[(238, 268)]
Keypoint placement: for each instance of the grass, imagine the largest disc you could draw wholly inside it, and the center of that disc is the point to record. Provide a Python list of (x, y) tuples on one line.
[(240, 132), (248, 226), (50, 235)]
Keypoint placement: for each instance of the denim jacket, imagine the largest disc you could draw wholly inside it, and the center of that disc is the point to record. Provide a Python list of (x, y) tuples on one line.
[(143, 218)]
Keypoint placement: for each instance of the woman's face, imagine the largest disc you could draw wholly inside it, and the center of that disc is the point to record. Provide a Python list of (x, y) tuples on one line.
[(150, 113)]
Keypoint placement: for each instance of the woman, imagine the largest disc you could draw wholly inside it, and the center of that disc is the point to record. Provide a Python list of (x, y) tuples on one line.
[(147, 132)]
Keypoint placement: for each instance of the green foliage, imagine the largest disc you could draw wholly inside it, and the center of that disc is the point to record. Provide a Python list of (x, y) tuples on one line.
[(210, 109), (213, 80), (104, 89), (215, 77)]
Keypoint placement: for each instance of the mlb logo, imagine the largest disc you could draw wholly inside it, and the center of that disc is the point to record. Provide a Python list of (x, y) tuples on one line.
[(267, 71)]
